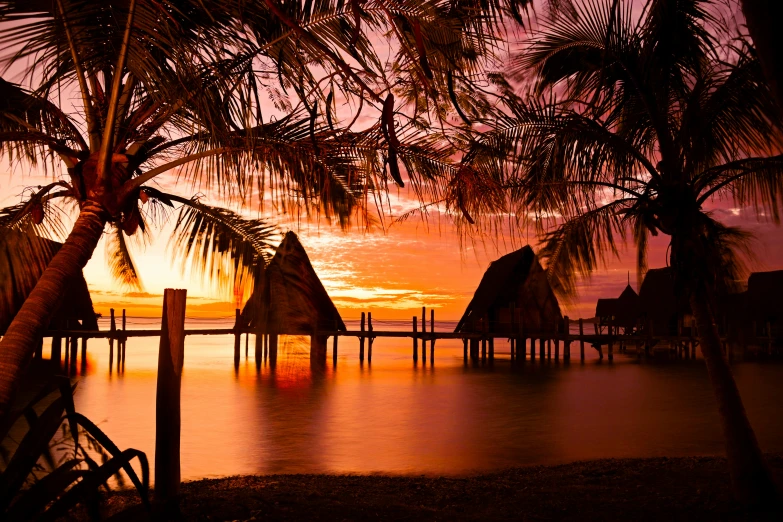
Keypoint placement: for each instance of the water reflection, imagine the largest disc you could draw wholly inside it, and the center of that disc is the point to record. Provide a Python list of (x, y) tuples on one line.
[(396, 417)]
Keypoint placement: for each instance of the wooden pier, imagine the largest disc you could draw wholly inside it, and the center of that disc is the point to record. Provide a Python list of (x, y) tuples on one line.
[(522, 344)]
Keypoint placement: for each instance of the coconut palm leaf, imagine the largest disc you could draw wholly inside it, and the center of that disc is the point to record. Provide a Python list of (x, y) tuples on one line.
[(120, 260), (219, 245)]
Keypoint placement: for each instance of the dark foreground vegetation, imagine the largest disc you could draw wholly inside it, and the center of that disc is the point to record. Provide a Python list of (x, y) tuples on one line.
[(696, 488)]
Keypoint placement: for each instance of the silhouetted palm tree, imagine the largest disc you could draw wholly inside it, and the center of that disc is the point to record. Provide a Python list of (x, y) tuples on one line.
[(637, 122), (178, 84)]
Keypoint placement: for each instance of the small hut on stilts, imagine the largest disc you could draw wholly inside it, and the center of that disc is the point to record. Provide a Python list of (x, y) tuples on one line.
[(514, 296), (289, 299), (23, 258)]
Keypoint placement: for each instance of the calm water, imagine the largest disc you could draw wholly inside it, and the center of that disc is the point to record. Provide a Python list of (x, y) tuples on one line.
[(394, 417)]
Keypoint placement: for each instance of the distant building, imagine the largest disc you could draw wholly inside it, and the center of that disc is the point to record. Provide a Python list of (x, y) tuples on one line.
[(23, 258), (661, 305), (516, 278)]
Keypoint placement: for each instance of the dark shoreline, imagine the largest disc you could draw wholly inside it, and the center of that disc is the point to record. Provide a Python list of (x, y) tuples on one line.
[(691, 488)]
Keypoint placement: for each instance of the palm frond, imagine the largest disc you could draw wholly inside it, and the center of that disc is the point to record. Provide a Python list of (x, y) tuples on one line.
[(120, 260), (219, 245)]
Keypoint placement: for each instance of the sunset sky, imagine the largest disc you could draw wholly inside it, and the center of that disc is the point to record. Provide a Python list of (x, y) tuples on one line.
[(391, 272)]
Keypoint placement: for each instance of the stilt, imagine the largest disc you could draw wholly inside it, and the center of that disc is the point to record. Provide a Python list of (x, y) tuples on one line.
[(484, 329), (39, 349), (121, 358), (541, 347), (611, 345), (512, 330), (113, 330), (237, 337), (465, 350), (432, 331), (532, 348), (84, 355), (423, 335), (273, 341), (369, 344), (557, 350), (247, 344), (415, 340), (567, 339), (361, 341), (581, 340), (56, 354), (334, 345), (491, 342)]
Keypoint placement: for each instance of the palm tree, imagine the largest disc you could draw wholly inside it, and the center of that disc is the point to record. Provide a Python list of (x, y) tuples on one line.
[(636, 124), (178, 84)]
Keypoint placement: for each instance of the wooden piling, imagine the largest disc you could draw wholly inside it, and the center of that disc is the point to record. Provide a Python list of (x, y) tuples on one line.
[(369, 344), (167, 403), (432, 331), (484, 328), (541, 348), (84, 354), (272, 342), (423, 335), (567, 340), (415, 340), (39, 348), (361, 341), (121, 358), (237, 336), (611, 344), (512, 330), (334, 345), (57, 346), (581, 340), (113, 330), (465, 350)]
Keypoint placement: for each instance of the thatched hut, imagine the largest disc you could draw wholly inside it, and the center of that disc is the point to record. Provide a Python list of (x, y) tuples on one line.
[(23, 258), (622, 312), (516, 278), (661, 306), (757, 312), (288, 298)]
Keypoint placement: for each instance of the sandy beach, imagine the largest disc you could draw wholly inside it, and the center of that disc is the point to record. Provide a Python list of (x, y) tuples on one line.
[(695, 488)]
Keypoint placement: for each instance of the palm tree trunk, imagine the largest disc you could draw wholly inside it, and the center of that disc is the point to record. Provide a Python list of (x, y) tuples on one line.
[(18, 344), (751, 478)]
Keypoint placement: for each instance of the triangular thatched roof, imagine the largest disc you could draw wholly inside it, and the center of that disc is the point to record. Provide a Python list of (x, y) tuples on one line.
[(623, 310), (288, 296), (23, 258), (514, 278)]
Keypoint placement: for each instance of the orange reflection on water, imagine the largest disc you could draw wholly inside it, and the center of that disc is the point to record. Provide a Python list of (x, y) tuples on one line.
[(393, 416)]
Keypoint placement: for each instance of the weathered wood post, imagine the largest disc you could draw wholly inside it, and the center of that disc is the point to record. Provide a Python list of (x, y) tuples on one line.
[(541, 348), (167, 403), (423, 335), (484, 328), (581, 340), (361, 341), (334, 344), (557, 347), (511, 339), (247, 344), (112, 335), (465, 350), (124, 340), (237, 337), (57, 347), (611, 342), (415, 340), (432, 332), (259, 342), (567, 339), (84, 355), (369, 343)]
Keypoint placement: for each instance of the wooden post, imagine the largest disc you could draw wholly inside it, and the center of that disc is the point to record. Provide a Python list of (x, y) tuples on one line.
[(237, 337), (484, 328), (167, 403), (541, 347), (334, 344), (521, 338), (415, 340), (124, 340), (113, 330), (465, 350), (369, 344), (557, 349), (423, 334), (432, 331), (39, 348), (361, 341), (581, 340), (611, 344), (272, 342), (512, 329), (57, 346), (247, 344), (84, 354), (532, 348), (567, 340)]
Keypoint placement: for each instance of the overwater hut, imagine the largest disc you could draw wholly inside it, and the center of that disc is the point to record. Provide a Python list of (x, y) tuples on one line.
[(620, 312), (515, 280), (756, 315), (661, 306), (23, 259), (288, 298)]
